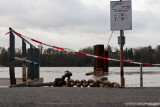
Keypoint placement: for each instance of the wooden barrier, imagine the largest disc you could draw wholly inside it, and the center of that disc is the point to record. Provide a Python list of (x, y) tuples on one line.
[(33, 60)]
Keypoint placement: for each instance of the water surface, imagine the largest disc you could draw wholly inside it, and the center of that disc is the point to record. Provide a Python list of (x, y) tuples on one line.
[(151, 75)]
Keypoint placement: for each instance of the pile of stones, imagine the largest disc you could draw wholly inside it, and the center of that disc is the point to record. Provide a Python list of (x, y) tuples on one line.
[(60, 82), (101, 82)]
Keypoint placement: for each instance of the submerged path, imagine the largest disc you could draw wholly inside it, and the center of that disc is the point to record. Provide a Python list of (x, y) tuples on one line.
[(79, 97)]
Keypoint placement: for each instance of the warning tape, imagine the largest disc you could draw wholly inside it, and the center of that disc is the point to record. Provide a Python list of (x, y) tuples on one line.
[(89, 55)]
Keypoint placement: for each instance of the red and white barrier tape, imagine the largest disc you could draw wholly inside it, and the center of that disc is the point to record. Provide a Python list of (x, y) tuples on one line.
[(94, 56)]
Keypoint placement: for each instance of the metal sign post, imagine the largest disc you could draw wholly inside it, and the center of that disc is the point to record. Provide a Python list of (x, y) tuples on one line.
[(122, 42), (141, 76), (121, 19)]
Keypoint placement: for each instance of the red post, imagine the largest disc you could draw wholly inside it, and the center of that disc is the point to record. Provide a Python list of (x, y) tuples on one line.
[(98, 63)]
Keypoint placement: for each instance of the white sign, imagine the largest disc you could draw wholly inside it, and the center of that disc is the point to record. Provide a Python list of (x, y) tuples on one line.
[(121, 15)]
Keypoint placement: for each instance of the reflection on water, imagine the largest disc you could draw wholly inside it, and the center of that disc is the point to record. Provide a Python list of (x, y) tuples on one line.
[(151, 75)]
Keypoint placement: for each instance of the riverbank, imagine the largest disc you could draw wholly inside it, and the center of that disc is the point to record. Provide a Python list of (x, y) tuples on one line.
[(79, 97)]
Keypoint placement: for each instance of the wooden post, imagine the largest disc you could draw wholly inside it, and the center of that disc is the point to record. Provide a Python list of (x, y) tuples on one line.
[(29, 64), (24, 62), (32, 65), (12, 55), (30, 73), (38, 61), (98, 63), (36, 58), (106, 61)]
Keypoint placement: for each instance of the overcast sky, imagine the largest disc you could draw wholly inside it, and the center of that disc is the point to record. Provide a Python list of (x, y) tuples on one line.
[(77, 24)]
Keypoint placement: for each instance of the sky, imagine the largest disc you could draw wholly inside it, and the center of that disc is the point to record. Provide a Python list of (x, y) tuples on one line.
[(77, 24)]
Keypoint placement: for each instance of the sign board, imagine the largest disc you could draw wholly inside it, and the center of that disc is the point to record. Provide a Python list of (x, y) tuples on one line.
[(121, 15), (99, 72)]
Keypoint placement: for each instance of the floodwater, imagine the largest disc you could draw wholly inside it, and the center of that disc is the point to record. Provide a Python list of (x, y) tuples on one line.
[(151, 75)]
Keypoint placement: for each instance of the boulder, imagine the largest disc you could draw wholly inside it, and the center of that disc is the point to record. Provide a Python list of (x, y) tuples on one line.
[(97, 83), (78, 84), (115, 85), (83, 81), (104, 78), (90, 81), (92, 84), (89, 73), (72, 84), (85, 84), (106, 82), (76, 81), (101, 85)]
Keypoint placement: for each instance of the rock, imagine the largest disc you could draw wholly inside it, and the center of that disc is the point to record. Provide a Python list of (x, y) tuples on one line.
[(83, 81), (78, 84), (89, 73), (90, 81), (92, 84), (99, 80), (72, 84), (106, 82), (106, 86), (115, 85), (104, 78), (76, 81), (67, 83), (85, 84), (58, 82), (71, 80), (97, 83), (101, 85)]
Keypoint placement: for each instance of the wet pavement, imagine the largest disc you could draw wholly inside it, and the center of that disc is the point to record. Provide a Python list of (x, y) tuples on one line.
[(79, 97)]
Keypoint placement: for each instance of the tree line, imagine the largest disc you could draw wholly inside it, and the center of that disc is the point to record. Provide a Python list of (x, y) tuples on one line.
[(54, 58)]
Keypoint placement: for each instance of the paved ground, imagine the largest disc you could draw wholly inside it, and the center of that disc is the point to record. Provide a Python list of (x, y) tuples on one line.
[(79, 97)]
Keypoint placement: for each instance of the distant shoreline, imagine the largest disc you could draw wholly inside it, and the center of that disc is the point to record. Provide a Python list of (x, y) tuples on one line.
[(82, 66)]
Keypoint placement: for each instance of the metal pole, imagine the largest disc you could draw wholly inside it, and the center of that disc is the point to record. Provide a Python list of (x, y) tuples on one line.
[(121, 57), (12, 55), (24, 62), (141, 76)]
